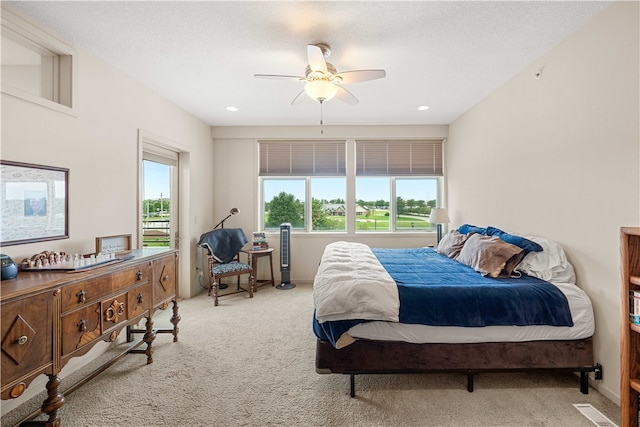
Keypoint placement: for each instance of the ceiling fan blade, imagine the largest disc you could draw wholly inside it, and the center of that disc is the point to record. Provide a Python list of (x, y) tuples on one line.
[(277, 76), (298, 99), (357, 76), (346, 96), (316, 58)]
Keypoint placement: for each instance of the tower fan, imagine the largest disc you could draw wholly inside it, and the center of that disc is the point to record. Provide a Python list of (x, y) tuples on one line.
[(285, 257)]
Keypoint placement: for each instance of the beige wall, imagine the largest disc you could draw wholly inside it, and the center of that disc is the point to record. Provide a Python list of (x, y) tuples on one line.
[(558, 157), (236, 185), (99, 146)]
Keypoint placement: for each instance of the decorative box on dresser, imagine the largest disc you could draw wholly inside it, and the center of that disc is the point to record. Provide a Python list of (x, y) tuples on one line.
[(630, 331), (50, 317)]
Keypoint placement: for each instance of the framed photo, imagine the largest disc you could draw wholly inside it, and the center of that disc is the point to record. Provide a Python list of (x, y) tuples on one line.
[(113, 244), (35, 203)]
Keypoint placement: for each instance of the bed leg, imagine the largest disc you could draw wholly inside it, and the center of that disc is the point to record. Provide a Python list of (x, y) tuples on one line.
[(352, 379), (584, 382), (470, 383)]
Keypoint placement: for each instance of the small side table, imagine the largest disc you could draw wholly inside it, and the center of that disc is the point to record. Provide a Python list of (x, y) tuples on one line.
[(254, 256)]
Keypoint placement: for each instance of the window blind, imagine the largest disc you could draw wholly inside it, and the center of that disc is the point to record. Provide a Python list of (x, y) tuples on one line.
[(397, 158), (302, 158), (158, 154)]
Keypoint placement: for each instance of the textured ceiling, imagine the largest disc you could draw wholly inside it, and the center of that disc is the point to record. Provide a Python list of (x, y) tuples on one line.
[(202, 55)]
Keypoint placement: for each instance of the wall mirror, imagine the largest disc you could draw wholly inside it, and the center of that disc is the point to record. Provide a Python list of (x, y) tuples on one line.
[(35, 203)]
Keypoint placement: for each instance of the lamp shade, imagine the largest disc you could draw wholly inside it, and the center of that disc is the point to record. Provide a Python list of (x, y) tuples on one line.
[(321, 90), (439, 216)]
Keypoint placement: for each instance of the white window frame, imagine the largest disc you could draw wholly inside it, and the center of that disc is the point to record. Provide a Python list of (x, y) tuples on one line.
[(64, 58)]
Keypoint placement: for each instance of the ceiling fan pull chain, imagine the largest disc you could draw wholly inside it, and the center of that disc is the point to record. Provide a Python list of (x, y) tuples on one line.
[(321, 119)]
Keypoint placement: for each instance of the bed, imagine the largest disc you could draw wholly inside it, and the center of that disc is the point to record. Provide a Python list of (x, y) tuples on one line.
[(482, 301)]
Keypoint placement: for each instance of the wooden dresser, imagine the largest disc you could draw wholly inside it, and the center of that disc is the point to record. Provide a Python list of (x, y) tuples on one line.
[(49, 317)]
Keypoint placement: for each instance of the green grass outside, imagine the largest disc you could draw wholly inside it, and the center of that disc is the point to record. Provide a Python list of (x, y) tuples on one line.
[(380, 222)]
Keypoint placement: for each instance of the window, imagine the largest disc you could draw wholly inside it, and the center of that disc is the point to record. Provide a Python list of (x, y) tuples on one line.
[(414, 199), (35, 66), (372, 204), (329, 210), (305, 184), (284, 201), (406, 172)]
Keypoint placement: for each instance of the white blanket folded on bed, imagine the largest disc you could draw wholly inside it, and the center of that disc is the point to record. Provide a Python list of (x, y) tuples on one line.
[(352, 284)]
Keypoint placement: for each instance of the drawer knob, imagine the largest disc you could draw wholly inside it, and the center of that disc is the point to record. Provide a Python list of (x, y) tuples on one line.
[(140, 298), (139, 275), (82, 296), (82, 325), (165, 278), (22, 340)]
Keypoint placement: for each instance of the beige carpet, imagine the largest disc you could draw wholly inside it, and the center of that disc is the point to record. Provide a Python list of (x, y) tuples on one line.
[(250, 362)]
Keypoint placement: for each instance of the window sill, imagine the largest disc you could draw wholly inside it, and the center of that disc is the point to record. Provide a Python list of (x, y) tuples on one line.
[(25, 96)]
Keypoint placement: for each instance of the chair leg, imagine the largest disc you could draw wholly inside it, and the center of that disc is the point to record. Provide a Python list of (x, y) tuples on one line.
[(252, 281), (216, 287)]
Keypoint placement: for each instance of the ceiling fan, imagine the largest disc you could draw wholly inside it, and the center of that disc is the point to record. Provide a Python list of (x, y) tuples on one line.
[(323, 82)]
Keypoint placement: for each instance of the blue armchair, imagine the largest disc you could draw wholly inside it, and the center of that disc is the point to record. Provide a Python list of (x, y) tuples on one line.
[(223, 246)]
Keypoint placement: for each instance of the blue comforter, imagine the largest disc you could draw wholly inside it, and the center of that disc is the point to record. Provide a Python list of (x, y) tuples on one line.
[(436, 290)]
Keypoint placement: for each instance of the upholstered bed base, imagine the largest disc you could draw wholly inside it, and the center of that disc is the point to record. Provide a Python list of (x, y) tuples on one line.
[(377, 357)]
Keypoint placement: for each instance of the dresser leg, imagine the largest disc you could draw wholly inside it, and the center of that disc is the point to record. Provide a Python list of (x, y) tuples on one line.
[(53, 402), (175, 319), (148, 338)]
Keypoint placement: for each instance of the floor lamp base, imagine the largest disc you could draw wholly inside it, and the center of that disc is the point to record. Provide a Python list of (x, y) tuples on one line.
[(285, 286)]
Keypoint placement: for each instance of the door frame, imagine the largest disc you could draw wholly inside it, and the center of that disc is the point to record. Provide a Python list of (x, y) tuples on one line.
[(182, 203)]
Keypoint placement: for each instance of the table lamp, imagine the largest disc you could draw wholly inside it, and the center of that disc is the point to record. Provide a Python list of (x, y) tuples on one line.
[(438, 217)]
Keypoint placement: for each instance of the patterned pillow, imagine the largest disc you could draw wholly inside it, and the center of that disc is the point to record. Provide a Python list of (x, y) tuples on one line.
[(490, 255)]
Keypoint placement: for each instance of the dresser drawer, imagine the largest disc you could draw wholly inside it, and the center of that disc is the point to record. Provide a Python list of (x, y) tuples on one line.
[(26, 336), (139, 300), (80, 328), (90, 291), (113, 311)]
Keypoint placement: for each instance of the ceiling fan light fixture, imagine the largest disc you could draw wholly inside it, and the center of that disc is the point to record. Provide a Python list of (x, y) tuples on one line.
[(322, 81), (321, 90)]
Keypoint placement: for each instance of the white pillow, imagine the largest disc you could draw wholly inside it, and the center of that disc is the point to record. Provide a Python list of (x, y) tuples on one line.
[(551, 264)]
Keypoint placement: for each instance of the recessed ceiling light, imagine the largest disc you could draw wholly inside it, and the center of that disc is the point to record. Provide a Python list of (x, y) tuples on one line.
[(423, 107), (232, 108)]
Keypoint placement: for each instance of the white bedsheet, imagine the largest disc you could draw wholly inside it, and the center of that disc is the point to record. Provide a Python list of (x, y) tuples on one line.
[(579, 304), (352, 284)]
